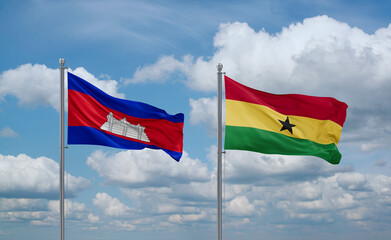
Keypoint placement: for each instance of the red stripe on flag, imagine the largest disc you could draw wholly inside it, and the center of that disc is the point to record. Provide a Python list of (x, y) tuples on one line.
[(322, 108), (84, 110)]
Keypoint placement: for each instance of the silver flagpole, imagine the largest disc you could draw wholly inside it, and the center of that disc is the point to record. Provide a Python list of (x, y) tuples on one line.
[(219, 152), (62, 62)]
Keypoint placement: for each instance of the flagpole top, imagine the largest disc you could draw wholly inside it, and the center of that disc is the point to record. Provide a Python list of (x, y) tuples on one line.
[(219, 67), (62, 61)]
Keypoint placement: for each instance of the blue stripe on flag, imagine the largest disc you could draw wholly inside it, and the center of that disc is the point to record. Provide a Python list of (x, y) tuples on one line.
[(89, 135)]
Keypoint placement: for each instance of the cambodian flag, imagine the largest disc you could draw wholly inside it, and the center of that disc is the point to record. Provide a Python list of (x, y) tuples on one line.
[(97, 118)]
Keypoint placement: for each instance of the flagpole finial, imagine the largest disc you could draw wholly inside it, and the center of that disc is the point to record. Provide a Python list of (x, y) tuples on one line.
[(219, 67), (62, 61)]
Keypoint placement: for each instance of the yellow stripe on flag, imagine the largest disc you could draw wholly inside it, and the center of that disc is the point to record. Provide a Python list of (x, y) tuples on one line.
[(244, 114)]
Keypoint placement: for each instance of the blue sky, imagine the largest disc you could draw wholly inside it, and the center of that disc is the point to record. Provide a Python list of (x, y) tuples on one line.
[(165, 53)]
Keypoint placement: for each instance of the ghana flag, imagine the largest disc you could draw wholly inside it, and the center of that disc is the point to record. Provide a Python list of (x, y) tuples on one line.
[(289, 124)]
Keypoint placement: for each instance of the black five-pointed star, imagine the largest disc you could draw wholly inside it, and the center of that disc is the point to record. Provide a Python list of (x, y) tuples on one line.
[(287, 125)]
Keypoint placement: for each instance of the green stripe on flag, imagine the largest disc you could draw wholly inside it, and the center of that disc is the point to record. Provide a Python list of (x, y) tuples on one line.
[(262, 141)]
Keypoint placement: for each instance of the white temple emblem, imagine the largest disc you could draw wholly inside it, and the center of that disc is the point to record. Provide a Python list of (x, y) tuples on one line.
[(124, 128)]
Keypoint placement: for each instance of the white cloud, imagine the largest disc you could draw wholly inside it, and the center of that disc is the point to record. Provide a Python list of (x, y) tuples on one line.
[(157, 185), (283, 189), (344, 201), (163, 202), (23, 176), (380, 184), (330, 197), (26, 215), (93, 218), (73, 210), (319, 56), (147, 220), (160, 71), (47, 221), (266, 61), (108, 86), (44, 84), (204, 110), (135, 193), (123, 225), (238, 223), (166, 208), (312, 205), (180, 218), (8, 132), (175, 218), (250, 167), (240, 206), (336, 202), (307, 191), (355, 214), (352, 181), (146, 168), (20, 204), (110, 206), (40, 211), (197, 191)]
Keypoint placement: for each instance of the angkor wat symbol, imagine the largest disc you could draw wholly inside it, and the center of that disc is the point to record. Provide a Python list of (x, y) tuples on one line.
[(124, 128)]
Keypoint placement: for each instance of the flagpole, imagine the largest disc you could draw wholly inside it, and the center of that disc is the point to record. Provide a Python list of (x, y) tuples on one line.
[(219, 152), (62, 62)]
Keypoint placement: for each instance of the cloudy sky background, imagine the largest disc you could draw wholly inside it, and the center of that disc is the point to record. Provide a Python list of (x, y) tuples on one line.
[(165, 53)]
